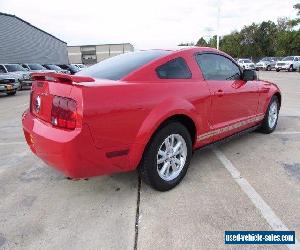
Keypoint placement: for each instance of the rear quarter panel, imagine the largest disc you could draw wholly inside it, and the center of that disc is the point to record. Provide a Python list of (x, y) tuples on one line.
[(125, 116)]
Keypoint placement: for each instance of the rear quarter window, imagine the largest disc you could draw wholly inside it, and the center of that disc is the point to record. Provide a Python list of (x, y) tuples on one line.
[(174, 69)]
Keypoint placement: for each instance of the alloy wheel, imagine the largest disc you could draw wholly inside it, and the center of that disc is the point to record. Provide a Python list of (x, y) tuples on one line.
[(171, 157)]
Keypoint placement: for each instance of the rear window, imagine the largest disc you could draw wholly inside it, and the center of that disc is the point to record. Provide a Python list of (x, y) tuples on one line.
[(117, 67), (174, 69)]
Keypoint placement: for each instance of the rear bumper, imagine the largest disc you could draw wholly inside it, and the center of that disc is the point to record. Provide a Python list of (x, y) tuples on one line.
[(71, 152)]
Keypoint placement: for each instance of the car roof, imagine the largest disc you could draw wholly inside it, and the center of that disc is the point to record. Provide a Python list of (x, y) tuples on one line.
[(183, 48)]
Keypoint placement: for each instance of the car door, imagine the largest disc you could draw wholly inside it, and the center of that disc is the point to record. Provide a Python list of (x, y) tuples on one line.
[(232, 99)]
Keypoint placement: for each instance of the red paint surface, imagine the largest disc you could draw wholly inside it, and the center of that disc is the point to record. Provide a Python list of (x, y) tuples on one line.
[(121, 116)]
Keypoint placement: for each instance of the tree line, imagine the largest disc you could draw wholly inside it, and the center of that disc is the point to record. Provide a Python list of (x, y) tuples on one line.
[(259, 40)]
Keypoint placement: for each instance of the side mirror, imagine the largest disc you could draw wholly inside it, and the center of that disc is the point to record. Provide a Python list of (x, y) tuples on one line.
[(249, 75)]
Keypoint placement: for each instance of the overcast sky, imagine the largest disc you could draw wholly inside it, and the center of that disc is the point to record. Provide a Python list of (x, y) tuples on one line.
[(144, 23)]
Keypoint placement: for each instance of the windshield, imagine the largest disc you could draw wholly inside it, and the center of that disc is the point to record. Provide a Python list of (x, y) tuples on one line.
[(247, 61), (288, 58), (36, 67), (54, 67), (14, 67), (74, 68), (117, 67)]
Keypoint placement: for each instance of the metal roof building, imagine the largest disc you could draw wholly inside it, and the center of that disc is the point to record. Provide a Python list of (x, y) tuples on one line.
[(21, 42), (90, 54)]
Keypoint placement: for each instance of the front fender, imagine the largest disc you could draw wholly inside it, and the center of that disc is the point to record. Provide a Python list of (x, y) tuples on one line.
[(267, 90), (160, 113)]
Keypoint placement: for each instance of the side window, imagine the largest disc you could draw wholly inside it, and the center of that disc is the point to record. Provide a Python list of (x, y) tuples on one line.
[(174, 69), (296, 59), (2, 69), (217, 67)]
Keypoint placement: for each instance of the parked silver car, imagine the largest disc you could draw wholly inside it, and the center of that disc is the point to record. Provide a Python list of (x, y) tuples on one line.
[(266, 63), (21, 75), (35, 67), (8, 85), (56, 68)]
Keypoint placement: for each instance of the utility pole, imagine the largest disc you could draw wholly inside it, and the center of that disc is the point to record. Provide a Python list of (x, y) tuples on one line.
[(218, 24)]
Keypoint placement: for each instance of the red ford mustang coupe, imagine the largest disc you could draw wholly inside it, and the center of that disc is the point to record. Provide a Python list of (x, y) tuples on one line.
[(147, 110)]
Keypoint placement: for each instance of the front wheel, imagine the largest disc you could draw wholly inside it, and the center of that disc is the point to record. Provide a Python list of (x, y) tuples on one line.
[(277, 70), (291, 69), (268, 68), (271, 117), (167, 157)]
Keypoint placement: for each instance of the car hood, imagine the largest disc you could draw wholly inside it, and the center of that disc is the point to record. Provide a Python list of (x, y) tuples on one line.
[(285, 62), (19, 74), (2, 77), (43, 71)]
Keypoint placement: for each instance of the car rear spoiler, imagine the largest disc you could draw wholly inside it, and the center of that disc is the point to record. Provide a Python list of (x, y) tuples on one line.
[(61, 78)]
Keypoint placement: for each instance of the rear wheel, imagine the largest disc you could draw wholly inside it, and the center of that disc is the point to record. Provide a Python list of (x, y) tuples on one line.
[(167, 157), (277, 70), (291, 69), (268, 68), (271, 117)]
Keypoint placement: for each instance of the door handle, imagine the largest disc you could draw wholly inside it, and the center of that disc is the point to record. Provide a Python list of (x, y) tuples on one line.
[(219, 93)]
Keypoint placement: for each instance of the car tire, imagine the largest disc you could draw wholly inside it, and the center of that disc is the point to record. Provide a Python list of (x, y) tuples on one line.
[(291, 69), (159, 170), (271, 117), (12, 93), (277, 70), (268, 68)]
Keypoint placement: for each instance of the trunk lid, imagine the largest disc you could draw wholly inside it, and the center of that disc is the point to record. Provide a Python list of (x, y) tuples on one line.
[(46, 86)]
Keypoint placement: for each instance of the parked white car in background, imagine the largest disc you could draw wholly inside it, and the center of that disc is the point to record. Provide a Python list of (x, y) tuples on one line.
[(289, 63), (246, 63), (21, 75)]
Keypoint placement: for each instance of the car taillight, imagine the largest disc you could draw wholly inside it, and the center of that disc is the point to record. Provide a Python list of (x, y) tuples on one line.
[(63, 113)]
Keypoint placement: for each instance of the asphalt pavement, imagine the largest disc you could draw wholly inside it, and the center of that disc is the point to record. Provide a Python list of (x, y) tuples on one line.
[(249, 183)]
